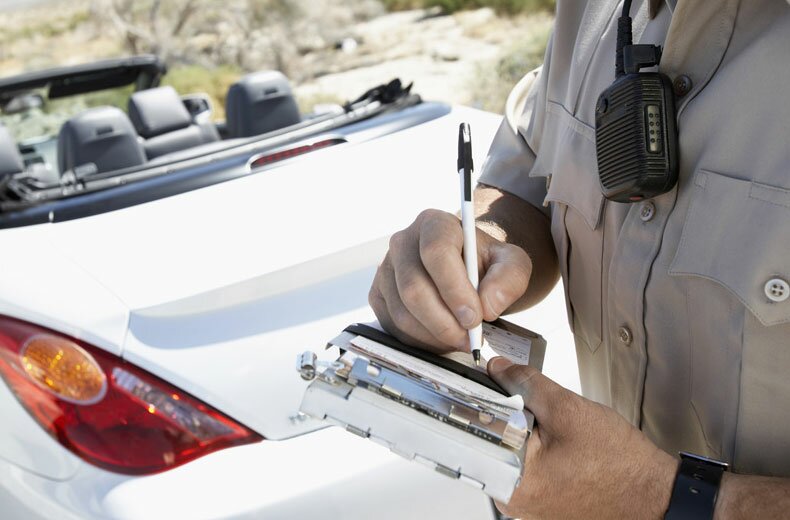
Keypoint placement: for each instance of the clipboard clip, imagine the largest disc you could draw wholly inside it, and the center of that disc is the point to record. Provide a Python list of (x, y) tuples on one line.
[(309, 366)]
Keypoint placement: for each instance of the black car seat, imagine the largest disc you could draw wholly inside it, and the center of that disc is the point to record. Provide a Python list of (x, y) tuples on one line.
[(103, 136), (260, 102), (10, 158), (164, 123)]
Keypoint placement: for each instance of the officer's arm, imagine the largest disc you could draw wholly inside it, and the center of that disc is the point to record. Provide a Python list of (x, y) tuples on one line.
[(751, 496), (511, 219)]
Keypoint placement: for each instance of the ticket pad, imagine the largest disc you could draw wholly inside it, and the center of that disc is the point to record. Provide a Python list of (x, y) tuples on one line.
[(437, 410)]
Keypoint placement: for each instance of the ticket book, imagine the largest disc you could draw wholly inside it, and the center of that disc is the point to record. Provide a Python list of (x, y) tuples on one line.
[(437, 410)]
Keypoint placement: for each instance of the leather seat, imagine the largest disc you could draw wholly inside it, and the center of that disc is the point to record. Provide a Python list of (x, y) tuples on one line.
[(260, 102), (10, 158), (103, 136), (162, 120)]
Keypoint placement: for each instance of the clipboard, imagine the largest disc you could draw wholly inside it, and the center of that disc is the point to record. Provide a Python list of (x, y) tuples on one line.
[(432, 409)]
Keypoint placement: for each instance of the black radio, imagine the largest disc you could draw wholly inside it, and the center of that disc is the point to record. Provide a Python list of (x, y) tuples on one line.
[(635, 131)]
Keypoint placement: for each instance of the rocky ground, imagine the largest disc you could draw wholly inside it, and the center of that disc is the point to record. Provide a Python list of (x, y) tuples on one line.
[(331, 50), (445, 56)]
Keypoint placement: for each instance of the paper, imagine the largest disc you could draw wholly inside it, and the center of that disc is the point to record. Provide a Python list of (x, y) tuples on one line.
[(508, 345), (437, 374)]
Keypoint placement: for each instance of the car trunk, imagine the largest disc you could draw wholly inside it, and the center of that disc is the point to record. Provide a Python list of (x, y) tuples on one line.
[(223, 286)]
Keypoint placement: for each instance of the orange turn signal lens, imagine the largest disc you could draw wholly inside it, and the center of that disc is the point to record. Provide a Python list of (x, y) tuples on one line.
[(64, 368)]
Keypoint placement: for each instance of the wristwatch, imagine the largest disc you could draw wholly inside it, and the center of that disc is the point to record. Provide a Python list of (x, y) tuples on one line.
[(696, 488)]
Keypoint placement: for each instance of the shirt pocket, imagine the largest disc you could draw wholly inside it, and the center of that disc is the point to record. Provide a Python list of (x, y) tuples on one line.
[(567, 157), (737, 236)]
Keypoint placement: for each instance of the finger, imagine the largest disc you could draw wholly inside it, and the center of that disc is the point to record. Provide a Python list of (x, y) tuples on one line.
[(420, 296), (541, 395), (506, 279), (441, 251), (399, 321)]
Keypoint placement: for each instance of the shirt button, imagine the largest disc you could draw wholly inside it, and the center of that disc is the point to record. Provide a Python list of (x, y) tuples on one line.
[(777, 290), (681, 85), (624, 335), (647, 211)]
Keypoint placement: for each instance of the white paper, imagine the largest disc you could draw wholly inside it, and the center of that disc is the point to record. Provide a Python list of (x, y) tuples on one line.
[(515, 348)]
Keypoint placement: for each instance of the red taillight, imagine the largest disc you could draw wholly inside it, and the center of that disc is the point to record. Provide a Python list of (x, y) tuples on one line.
[(105, 410), (287, 153)]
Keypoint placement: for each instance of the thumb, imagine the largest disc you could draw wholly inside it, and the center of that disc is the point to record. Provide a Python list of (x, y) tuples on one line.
[(541, 394), (506, 278)]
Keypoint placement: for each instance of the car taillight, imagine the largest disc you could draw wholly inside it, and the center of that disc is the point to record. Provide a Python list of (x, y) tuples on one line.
[(106, 410), (265, 159)]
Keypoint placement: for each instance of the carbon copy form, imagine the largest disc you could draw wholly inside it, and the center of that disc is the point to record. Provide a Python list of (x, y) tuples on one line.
[(438, 410)]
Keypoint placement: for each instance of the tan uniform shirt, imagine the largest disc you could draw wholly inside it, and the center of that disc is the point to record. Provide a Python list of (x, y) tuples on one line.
[(674, 324)]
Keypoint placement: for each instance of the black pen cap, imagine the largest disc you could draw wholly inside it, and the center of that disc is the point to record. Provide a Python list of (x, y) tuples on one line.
[(465, 148)]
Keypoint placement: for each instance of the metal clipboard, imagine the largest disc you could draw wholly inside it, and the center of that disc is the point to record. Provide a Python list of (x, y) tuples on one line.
[(463, 425)]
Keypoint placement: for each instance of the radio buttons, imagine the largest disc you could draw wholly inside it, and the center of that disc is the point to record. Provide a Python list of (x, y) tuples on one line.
[(653, 121)]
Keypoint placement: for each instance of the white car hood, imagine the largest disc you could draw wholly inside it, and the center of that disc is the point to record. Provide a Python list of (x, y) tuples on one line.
[(217, 290)]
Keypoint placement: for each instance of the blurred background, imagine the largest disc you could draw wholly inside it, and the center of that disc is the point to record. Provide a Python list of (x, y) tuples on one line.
[(469, 52)]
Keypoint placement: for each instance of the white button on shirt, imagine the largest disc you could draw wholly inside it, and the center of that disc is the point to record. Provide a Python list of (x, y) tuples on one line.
[(777, 290)]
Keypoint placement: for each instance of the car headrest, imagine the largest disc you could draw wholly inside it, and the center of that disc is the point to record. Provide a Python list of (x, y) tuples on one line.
[(157, 111), (260, 102), (10, 159), (103, 136)]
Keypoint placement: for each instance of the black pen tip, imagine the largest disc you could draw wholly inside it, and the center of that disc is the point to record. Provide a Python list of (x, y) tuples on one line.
[(465, 148)]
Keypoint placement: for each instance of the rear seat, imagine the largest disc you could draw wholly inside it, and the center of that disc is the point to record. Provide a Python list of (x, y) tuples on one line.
[(103, 136), (260, 102), (164, 123), (10, 159)]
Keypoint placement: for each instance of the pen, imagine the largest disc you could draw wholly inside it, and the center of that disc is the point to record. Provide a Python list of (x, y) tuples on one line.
[(465, 172)]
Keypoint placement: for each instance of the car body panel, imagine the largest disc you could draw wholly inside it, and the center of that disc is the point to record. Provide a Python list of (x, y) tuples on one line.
[(279, 262), (216, 290), (328, 474), (40, 284)]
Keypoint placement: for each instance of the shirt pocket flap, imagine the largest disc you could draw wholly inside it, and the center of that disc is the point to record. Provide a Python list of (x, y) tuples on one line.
[(737, 234), (568, 154)]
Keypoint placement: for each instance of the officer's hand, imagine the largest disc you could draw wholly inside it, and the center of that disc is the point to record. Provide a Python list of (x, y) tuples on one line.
[(421, 293), (583, 460)]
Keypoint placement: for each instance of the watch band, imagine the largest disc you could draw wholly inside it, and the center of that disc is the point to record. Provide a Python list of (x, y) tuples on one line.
[(696, 488)]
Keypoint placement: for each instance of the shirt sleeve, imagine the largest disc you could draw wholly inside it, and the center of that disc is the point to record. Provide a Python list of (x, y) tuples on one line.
[(516, 143)]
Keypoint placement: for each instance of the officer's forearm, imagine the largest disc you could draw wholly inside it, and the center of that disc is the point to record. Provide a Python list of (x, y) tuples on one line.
[(509, 218), (750, 496)]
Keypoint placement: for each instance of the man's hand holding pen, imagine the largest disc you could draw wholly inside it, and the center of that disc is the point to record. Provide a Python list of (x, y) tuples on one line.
[(421, 292)]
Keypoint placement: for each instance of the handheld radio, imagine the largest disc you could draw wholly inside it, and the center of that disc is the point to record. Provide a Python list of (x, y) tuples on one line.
[(635, 132)]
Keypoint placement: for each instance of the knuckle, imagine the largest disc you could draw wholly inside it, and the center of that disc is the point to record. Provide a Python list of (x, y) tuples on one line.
[(396, 240), (401, 318), (433, 251), (429, 214), (410, 289), (374, 298), (450, 335), (521, 375)]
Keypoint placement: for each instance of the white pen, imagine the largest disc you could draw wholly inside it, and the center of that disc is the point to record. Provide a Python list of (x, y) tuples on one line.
[(466, 173)]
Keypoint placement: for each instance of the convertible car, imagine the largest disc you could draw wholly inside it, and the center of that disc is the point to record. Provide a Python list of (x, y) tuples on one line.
[(160, 271)]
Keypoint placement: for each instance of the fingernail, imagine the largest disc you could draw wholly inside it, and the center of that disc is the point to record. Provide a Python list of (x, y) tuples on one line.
[(465, 316), (498, 364)]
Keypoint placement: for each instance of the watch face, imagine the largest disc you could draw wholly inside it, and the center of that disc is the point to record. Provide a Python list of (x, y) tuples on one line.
[(705, 460)]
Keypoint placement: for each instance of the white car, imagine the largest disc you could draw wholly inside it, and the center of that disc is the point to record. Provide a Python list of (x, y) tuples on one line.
[(151, 315)]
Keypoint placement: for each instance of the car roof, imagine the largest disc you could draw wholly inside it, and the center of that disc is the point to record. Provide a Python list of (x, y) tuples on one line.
[(143, 70)]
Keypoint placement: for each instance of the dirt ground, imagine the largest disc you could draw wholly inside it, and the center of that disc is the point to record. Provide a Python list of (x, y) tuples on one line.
[(332, 53)]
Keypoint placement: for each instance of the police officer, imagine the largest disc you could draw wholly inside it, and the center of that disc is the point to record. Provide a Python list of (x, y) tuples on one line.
[(679, 305)]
